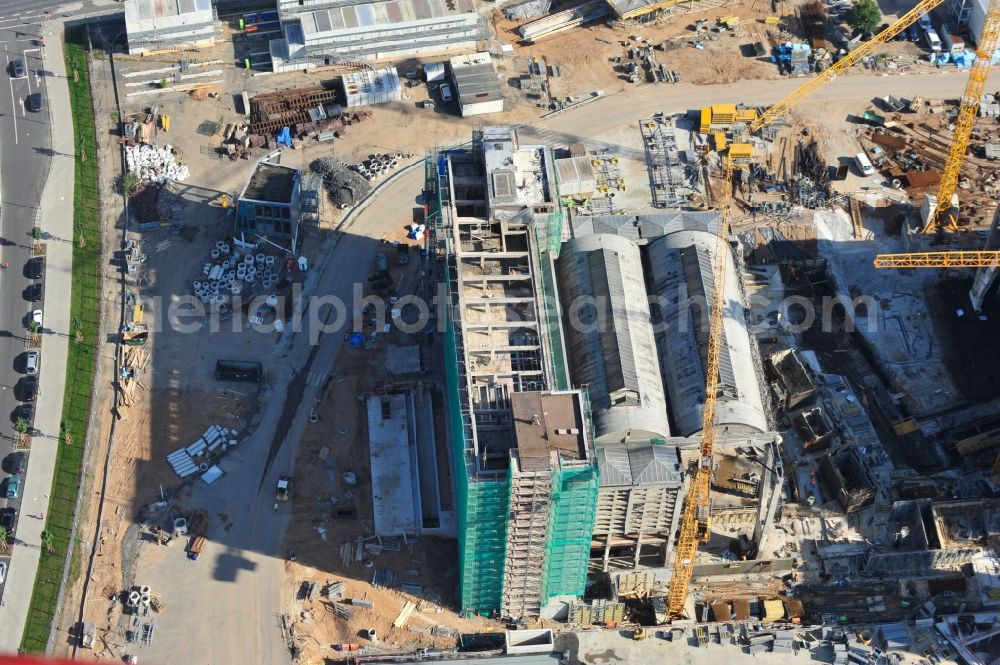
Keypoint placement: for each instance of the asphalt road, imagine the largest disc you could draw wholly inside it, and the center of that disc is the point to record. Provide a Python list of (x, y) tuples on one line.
[(24, 158)]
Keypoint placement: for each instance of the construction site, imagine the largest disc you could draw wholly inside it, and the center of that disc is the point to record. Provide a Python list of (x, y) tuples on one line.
[(722, 371)]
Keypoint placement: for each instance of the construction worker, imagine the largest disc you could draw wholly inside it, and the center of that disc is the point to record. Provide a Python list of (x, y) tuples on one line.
[(275, 507)]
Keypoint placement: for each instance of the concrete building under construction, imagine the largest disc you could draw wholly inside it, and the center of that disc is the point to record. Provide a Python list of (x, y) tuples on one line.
[(571, 447)]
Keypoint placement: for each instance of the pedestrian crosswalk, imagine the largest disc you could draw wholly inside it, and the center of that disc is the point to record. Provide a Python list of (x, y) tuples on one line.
[(317, 378)]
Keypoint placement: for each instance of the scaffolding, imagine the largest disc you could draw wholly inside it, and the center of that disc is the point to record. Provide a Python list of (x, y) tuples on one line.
[(527, 536), (666, 172), (574, 503)]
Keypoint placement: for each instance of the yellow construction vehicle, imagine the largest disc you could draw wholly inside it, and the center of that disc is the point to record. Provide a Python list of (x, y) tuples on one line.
[(695, 521), (639, 634)]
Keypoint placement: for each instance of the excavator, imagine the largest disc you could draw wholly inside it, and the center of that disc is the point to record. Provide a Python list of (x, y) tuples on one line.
[(696, 517)]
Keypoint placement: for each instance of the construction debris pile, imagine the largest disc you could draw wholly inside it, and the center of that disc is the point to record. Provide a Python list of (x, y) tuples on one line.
[(153, 203), (132, 361), (911, 147), (641, 61), (812, 185), (304, 110), (344, 185), (238, 142), (155, 164)]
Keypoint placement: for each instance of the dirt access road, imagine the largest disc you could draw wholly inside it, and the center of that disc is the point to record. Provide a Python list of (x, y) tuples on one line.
[(828, 106)]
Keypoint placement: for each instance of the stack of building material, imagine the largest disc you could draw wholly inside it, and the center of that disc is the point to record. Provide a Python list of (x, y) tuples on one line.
[(564, 20), (182, 463), (182, 460), (840, 654), (784, 641)]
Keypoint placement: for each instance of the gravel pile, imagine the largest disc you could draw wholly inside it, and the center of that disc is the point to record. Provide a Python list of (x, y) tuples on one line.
[(344, 186)]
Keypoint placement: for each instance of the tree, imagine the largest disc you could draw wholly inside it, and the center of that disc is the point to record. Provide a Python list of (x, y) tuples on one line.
[(3, 539), (21, 426), (129, 182), (47, 541), (864, 16)]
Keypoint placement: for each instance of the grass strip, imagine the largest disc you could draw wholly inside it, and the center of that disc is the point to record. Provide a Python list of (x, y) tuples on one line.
[(82, 352)]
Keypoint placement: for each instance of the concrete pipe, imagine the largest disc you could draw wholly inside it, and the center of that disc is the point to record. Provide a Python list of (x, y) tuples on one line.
[(225, 265), (248, 259), (215, 253), (260, 259), (133, 598), (203, 298), (219, 244), (197, 284), (269, 261), (144, 599), (203, 466), (224, 249), (144, 590)]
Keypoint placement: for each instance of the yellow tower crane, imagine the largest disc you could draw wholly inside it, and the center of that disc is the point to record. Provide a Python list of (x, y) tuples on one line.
[(696, 518)]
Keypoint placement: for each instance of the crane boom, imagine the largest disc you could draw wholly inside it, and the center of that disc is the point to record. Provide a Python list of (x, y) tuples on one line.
[(984, 259), (968, 109), (695, 521)]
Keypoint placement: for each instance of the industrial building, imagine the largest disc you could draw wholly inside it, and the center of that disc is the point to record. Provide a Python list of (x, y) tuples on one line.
[(571, 447), (610, 337), (332, 32), (167, 25), (269, 203), (476, 85)]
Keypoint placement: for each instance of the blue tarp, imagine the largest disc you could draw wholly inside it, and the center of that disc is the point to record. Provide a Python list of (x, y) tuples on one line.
[(285, 137)]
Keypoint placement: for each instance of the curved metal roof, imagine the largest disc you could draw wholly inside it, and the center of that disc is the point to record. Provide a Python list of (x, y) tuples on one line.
[(610, 337)]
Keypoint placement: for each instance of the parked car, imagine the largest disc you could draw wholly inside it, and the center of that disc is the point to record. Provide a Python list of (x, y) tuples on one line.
[(35, 267), (31, 361), (34, 293), (381, 261), (35, 103), (36, 318), (15, 463), (445, 92), (17, 69), (24, 412), (402, 254), (8, 520), (29, 388), (925, 22), (13, 487), (3, 571)]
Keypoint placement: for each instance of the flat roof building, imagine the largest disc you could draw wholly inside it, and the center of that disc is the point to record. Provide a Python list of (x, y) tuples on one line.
[(476, 85), (166, 25), (269, 204), (344, 31)]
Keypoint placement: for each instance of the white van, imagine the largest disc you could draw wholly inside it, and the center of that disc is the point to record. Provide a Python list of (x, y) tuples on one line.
[(864, 165), (933, 41)]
